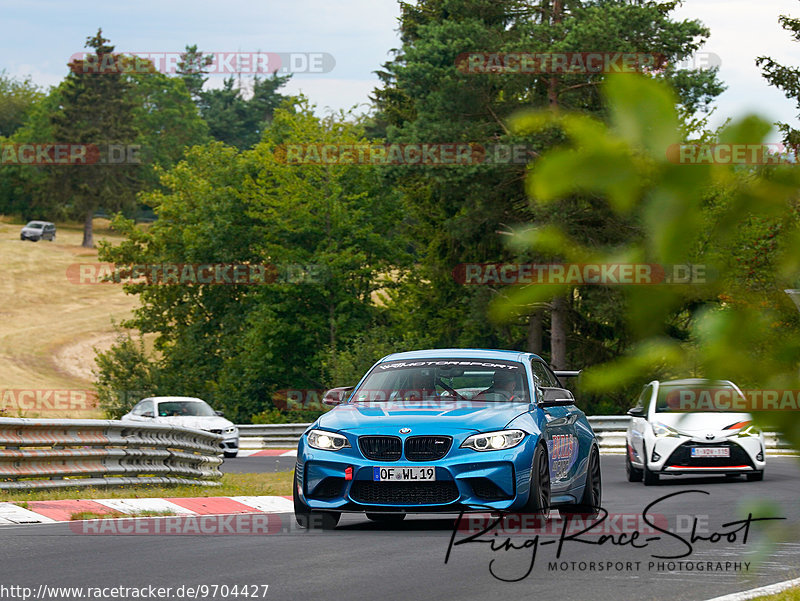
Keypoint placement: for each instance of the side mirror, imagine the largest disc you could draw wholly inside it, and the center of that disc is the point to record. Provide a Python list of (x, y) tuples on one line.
[(219, 413), (336, 396), (637, 412), (555, 397), (148, 414)]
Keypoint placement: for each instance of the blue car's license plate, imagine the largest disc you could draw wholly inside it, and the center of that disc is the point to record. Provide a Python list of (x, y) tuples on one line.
[(399, 473)]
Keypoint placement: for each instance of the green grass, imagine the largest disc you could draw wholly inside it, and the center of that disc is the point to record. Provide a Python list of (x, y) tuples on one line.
[(233, 485), (91, 515), (793, 594)]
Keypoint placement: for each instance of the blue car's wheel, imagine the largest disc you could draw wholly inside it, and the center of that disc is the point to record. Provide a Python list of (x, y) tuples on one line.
[(306, 518), (592, 498), (539, 496)]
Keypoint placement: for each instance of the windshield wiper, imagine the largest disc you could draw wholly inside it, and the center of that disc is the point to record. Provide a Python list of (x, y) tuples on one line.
[(448, 389)]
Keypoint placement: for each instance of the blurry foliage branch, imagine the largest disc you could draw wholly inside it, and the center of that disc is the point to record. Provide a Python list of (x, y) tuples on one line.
[(740, 328)]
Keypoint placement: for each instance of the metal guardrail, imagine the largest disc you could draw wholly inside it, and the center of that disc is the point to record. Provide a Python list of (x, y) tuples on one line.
[(610, 431), (266, 436), (65, 453)]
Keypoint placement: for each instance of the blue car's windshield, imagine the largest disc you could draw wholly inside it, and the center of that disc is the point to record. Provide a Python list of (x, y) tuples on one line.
[(451, 379)]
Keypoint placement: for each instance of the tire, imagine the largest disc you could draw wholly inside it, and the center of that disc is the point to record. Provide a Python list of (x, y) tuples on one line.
[(386, 518), (634, 474), (755, 476), (592, 499), (539, 495), (307, 518), (650, 478), (230, 455)]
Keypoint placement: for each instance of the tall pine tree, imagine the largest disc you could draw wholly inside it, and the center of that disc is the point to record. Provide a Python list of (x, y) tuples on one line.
[(460, 214), (96, 110)]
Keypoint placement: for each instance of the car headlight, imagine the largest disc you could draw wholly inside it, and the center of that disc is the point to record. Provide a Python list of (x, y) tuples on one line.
[(661, 430), (749, 431), (231, 430), (327, 441), (494, 441)]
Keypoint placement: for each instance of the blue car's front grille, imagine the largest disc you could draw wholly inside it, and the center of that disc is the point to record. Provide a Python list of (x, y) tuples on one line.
[(381, 448), (404, 493), (417, 448), (427, 448)]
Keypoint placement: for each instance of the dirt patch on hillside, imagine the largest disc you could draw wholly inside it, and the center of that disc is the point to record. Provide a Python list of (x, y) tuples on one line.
[(76, 359)]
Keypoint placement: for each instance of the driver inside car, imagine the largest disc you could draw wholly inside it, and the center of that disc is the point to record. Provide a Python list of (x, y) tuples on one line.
[(504, 384), (421, 385)]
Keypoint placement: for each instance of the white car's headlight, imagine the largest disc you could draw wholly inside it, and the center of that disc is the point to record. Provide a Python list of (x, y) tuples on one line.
[(750, 431), (327, 441), (494, 441), (662, 430), (231, 430)]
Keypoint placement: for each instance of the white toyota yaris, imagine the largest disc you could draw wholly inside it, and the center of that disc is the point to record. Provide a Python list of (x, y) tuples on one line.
[(692, 427), (188, 412)]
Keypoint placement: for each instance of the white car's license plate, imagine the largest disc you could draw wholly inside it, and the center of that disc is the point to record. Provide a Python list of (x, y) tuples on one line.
[(399, 473), (711, 452)]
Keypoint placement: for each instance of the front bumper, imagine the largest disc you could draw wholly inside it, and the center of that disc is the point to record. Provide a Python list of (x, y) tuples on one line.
[(466, 480), (230, 444), (672, 456)]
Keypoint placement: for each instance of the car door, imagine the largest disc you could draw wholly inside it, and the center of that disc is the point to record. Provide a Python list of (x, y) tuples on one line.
[(561, 433)]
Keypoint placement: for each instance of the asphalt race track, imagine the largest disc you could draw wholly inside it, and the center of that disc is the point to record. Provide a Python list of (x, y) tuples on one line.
[(364, 560), (250, 465)]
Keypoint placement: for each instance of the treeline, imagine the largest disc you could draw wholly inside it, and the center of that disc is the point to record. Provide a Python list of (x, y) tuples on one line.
[(123, 120), (381, 246)]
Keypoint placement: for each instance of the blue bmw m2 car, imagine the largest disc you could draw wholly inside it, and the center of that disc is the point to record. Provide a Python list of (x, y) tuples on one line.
[(448, 430)]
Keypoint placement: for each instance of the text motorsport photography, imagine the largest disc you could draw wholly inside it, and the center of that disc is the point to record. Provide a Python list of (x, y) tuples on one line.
[(647, 541)]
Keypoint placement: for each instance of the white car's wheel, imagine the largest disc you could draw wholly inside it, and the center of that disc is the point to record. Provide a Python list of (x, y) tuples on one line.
[(650, 477), (634, 473)]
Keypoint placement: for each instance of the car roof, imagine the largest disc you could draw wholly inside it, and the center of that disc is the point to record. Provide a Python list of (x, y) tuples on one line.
[(457, 353), (695, 382), (37, 222), (162, 399)]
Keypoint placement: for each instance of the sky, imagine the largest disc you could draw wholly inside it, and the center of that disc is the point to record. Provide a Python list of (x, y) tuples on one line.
[(39, 36)]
